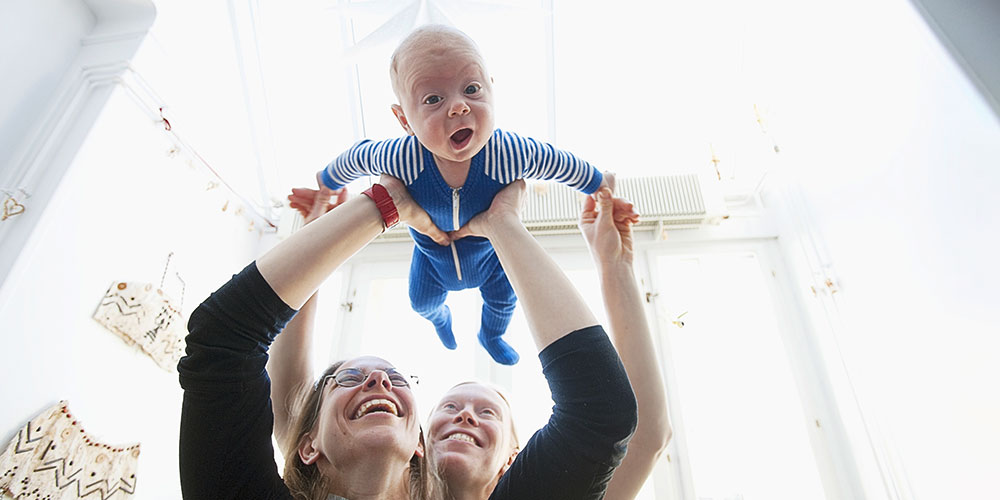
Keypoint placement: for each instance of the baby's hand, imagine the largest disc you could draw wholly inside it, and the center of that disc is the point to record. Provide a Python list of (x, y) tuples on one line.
[(608, 181), (313, 203)]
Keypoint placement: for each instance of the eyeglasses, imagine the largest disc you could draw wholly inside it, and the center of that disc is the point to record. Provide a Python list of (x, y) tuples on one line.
[(352, 377)]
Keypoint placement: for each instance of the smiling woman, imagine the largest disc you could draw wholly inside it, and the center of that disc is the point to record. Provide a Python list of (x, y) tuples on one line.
[(364, 409), (471, 433)]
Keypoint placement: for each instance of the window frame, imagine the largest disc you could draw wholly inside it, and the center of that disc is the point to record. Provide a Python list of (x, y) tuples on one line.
[(672, 477)]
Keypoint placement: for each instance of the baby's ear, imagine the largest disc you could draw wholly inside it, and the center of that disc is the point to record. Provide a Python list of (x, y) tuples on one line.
[(401, 117)]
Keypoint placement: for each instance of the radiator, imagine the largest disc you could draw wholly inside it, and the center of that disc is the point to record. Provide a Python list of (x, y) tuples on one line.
[(673, 201), (663, 202)]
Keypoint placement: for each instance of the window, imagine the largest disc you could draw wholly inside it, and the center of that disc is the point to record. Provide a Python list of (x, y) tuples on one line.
[(739, 427), (739, 414)]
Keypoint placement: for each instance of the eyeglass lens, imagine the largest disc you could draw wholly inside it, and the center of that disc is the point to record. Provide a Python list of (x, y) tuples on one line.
[(351, 377)]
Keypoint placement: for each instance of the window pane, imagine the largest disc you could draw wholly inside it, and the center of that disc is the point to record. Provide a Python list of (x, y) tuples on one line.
[(392, 330), (410, 343), (742, 418)]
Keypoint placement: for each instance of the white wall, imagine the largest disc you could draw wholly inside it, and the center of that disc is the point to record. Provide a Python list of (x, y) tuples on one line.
[(33, 66), (122, 207), (59, 61), (890, 163)]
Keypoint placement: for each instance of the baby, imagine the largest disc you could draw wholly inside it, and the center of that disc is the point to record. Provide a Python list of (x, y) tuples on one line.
[(453, 162)]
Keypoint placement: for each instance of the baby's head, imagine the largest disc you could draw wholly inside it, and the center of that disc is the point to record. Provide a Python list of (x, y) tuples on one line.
[(444, 91)]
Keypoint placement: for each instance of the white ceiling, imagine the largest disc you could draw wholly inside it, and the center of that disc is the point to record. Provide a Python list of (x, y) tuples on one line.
[(268, 92)]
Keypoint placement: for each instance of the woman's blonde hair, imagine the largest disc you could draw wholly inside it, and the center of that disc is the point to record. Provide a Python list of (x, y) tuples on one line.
[(306, 482)]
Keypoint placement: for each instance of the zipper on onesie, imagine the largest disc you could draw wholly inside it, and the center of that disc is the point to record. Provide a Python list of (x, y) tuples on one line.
[(454, 217)]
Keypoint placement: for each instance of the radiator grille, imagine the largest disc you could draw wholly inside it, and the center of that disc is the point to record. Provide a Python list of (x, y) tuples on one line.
[(671, 201), (674, 201)]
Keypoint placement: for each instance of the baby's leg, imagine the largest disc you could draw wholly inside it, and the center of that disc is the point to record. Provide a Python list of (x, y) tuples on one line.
[(427, 298), (498, 307)]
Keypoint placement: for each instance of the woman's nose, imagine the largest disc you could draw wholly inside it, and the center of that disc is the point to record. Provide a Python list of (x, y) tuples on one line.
[(458, 108), (377, 378), (467, 416)]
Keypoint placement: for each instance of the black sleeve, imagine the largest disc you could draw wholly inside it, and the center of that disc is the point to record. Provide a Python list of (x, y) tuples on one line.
[(226, 418), (575, 454)]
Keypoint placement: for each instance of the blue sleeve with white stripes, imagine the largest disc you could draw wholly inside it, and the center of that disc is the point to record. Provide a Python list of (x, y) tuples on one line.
[(400, 157), (511, 157)]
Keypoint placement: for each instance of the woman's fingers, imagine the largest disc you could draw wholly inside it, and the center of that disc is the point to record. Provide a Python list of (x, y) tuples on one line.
[(506, 204), (462, 232), (411, 213), (609, 180), (427, 228)]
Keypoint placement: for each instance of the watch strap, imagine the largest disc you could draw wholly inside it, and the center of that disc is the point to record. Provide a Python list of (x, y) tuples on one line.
[(380, 195)]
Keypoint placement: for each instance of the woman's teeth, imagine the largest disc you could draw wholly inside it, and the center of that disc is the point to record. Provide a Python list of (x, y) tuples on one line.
[(458, 436), (376, 405)]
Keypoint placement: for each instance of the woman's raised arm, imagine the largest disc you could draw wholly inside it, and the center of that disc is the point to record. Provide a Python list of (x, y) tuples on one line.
[(575, 454), (607, 227), (289, 364), (297, 266)]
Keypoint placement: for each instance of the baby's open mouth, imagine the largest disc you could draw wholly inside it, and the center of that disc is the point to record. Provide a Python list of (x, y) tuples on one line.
[(461, 138)]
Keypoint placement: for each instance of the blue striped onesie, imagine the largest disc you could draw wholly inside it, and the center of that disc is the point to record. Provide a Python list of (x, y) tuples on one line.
[(469, 262)]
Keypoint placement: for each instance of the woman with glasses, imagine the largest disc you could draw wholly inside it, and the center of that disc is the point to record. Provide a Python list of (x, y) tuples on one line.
[(365, 442), (470, 433)]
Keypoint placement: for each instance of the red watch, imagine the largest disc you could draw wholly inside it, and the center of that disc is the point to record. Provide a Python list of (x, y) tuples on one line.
[(380, 195)]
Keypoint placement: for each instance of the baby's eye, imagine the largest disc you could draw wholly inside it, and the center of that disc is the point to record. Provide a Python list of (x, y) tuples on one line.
[(433, 99), (449, 406), (473, 88), (490, 412)]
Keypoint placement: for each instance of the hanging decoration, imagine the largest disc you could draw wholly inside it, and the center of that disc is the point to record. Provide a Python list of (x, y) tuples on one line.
[(145, 316), (151, 104), (715, 161), (762, 123), (12, 205), (51, 458), (678, 322)]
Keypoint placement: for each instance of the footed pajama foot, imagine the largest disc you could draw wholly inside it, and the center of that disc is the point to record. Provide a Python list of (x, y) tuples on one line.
[(500, 351), (444, 330)]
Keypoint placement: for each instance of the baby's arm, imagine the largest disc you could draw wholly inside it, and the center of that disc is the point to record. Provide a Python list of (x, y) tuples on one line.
[(400, 157), (533, 159)]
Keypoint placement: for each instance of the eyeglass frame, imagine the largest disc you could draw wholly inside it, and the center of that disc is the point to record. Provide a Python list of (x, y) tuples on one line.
[(321, 383)]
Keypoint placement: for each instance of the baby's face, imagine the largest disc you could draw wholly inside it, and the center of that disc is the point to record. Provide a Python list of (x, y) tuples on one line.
[(447, 100)]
